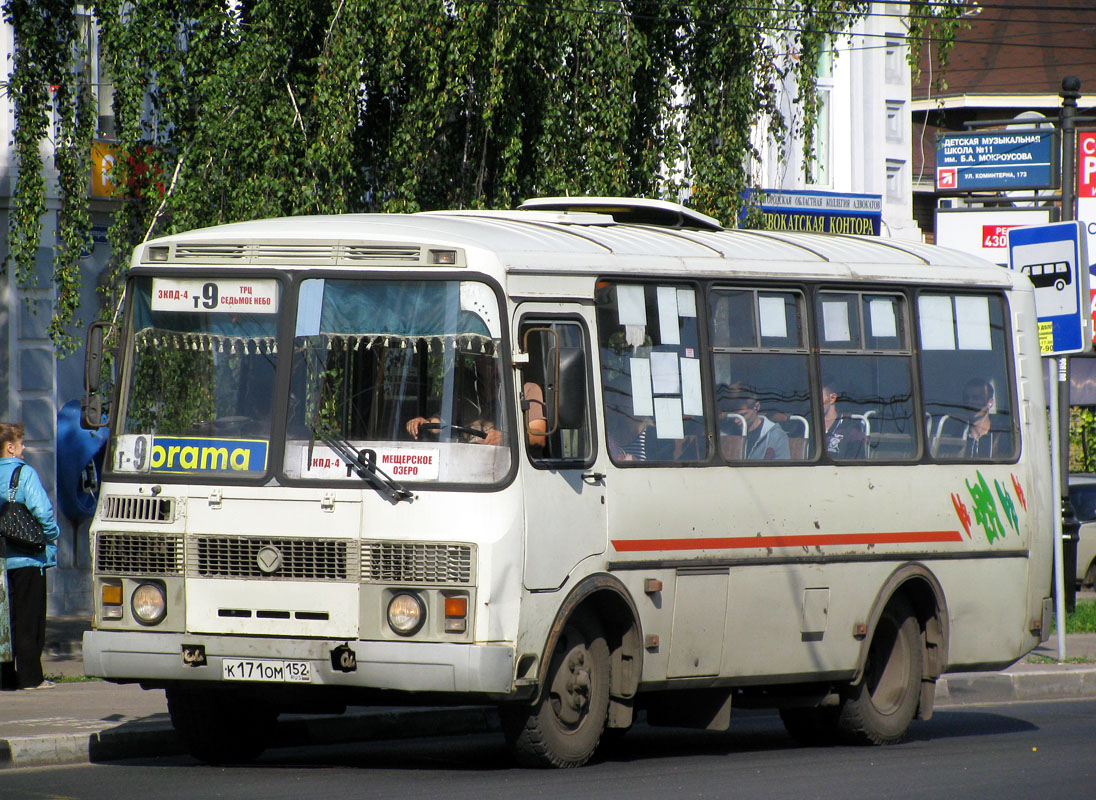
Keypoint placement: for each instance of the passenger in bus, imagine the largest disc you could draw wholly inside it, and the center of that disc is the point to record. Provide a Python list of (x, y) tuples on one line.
[(765, 440), (536, 421), (635, 438), (982, 437), (844, 435)]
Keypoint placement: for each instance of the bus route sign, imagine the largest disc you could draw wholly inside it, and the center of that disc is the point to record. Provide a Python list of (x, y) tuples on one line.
[(1054, 258)]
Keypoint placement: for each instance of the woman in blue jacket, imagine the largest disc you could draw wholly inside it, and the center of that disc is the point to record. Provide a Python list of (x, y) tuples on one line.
[(26, 573)]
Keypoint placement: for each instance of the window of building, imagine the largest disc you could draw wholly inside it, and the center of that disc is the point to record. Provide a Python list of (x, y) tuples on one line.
[(895, 65), (896, 181), (896, 120)]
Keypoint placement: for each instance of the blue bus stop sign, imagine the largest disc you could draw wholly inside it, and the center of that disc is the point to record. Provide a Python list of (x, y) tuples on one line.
[(1054, 258)]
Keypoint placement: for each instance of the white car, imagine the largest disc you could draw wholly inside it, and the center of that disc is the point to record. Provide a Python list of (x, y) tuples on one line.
[(1082, 495)]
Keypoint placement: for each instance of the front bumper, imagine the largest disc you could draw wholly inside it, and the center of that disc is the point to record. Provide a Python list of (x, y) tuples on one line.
[(399, 666)]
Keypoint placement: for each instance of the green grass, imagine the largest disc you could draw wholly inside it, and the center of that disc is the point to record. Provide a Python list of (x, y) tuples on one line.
[(1082, 619), (71, 678)]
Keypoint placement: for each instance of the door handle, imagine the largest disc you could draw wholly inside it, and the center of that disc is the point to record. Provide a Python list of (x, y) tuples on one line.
[(593, 477)]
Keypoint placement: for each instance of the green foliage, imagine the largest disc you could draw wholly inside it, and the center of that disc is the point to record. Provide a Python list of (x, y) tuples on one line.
[(261, 108), (1082, 439), (44, 80)]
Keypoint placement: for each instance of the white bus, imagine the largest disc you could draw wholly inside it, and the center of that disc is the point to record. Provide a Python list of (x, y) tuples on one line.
[(579, 463)]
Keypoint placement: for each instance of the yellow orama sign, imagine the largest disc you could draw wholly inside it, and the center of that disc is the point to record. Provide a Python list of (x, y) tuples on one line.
[(182, 454)]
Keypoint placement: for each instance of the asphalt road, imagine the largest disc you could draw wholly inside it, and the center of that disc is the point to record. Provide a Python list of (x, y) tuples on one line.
[(1017, 750)]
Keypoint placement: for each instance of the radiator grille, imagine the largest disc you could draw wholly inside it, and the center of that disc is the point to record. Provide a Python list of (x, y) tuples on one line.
[(138, 554), (116, 508), (298, 559), (416, 562)]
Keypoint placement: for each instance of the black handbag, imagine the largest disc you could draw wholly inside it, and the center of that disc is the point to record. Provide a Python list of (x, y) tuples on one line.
[(21, 529)]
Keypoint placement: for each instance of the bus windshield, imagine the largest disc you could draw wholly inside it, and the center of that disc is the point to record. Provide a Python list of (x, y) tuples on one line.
[(200, 385), (406, 373)]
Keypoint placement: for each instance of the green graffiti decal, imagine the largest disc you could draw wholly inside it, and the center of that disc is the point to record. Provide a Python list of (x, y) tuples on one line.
[(985, 509)]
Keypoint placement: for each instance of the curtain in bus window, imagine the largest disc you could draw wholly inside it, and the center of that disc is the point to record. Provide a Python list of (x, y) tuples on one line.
[(965, 377), (651, 377), (411, 367)]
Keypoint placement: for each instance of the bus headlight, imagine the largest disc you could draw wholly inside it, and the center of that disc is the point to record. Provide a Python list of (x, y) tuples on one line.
[(405, 614), (148, 603)]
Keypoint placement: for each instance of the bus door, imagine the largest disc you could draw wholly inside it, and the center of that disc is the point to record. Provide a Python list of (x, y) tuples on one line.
[(565, 515)]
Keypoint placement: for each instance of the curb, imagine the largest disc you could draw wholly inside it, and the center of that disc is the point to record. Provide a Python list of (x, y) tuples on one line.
[(968, 688)]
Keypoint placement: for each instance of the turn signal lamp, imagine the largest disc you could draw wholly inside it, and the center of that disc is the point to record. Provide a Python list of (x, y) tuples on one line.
[(112, 600), (456, 614)]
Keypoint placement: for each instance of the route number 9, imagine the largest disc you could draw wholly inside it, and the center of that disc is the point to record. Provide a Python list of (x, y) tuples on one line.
[(209, 296)]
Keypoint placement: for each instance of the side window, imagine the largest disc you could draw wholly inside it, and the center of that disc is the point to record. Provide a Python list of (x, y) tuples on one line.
[(969, 411), (650, 373), (554, 395), (759, 362), (865, 366)]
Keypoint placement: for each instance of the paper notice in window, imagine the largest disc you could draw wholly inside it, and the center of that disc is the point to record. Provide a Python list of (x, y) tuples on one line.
[(668, 328), (883, 322), (692, 402), (972, 318), (641, 387), (630, 305), (937, 323), (665, 373), (773, 321), (835, 318), (668, 421)]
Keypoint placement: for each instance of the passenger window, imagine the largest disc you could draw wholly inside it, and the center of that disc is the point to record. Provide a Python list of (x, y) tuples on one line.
[(650, 373), (969, 411), (760, 369), (865, 363), (553, 390)]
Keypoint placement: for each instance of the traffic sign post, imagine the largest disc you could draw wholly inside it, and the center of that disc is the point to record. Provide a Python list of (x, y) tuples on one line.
[(1055, 258)]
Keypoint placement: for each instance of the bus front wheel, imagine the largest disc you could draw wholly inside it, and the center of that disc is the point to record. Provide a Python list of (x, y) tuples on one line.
[(220, 727), (880, 708), (565, 725)]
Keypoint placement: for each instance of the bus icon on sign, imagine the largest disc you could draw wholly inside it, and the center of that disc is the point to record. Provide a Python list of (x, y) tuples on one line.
[(1054, 273)]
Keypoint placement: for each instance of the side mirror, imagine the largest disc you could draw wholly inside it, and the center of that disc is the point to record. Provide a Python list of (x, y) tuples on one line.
[(93, 356), (91, 407), (570, 390), (91, 412)]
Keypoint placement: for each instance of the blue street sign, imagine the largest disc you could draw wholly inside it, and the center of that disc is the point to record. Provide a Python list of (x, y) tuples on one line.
[(994, 160), (1054, 258)]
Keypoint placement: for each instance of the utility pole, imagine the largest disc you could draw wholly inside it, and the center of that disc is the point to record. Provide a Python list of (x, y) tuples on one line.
[(1071, 92)]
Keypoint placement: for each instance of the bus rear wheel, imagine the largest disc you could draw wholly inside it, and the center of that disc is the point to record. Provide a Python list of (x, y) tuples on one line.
[(565, 725), (880, 708), (220, 727)]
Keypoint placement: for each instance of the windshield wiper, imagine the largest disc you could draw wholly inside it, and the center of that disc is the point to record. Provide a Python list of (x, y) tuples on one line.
[(364, 462)]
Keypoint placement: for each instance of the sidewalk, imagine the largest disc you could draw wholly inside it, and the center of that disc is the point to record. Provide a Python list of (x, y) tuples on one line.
[(100, 721)]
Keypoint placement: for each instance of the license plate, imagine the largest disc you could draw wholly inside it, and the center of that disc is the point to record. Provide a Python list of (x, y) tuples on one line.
[(250, 669)]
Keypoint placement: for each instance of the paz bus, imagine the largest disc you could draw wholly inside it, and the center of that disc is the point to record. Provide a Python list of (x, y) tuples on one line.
[(572, 460)]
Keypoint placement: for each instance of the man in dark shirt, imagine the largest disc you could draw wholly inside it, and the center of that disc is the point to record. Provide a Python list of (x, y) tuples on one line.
[(844, 435)]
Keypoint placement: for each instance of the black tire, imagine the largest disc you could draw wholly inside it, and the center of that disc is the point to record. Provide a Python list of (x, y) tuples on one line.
[(220, 727), (880, 708), (565, 725), (812, 727)]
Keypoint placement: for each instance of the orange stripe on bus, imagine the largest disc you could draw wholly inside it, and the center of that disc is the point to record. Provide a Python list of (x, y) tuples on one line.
[(806, 540)]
